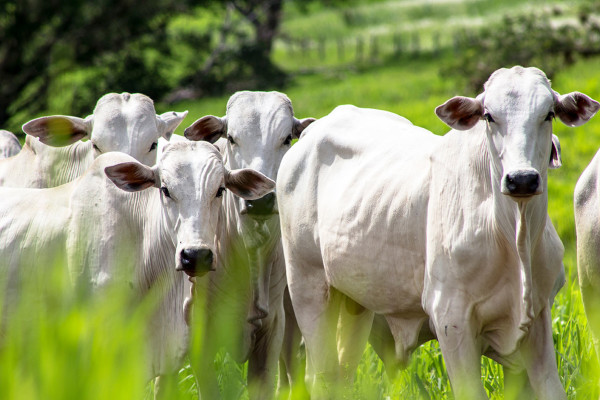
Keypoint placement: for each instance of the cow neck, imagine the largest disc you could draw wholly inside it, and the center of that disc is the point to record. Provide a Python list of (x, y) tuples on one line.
[(158, 246), (70, 162), (519, 223), (259, 241)]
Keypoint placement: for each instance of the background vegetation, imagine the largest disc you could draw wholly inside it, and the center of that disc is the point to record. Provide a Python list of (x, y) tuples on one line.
[(403, 56)]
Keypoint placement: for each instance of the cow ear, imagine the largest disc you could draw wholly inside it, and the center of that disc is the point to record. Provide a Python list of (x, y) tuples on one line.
[(248, 183), (168, 122), (460, 112), (575, 108), (131, 176), (555, 154), (300, 125), (59, 130), (208, 128)]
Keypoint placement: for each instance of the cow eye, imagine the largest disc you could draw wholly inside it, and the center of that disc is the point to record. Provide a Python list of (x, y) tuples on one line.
[(488, 117), (96, 147), (550, 116), (288, 140), (154, 145), (220, 191), (230, 139), (165, 191)]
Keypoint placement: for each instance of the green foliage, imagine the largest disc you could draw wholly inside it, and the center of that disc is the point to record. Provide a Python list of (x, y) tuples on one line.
[(528, 39)]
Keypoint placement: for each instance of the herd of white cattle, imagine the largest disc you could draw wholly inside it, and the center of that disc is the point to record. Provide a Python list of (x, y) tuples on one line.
[(369, 225)]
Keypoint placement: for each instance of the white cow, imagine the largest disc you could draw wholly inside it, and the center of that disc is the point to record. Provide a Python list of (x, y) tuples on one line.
[(120, 122), (446, 237), (109, 235), (9, 144), (587, 217), (247, 288)]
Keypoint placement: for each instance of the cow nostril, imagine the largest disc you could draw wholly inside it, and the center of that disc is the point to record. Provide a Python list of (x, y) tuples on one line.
[(522, 183), (196, 261)]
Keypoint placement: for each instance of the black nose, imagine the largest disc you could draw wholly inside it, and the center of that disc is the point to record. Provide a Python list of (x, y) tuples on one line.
[(196, 262), (263, 206), (522, 183)]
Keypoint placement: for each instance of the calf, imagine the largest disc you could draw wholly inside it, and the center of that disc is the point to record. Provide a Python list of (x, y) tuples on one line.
[(107, 234), (120, 122), (256, 132)]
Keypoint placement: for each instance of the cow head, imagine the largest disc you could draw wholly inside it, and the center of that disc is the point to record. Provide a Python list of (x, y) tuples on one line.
[(191, 178), (518, 107), (259, 128), (121, 122)]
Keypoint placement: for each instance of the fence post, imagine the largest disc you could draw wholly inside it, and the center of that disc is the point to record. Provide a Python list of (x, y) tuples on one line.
[(340, 50), (322, 49), (397, 44), (436, 43), (374, 49), (359, 49), (416, 43)]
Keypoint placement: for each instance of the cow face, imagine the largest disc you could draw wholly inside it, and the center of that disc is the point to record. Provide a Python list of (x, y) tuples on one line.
[(259, 128), (517, 108), (191, 179), (121, 122)]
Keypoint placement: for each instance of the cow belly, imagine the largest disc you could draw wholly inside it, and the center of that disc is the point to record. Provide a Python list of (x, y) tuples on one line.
[(387, 283)]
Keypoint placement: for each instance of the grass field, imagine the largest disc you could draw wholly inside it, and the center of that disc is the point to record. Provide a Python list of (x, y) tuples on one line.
[(81, 348)]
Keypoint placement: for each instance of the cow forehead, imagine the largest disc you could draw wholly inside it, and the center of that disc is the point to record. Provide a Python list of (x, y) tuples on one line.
[(259, 113), (518, 89), (133, 114), (191, 164)]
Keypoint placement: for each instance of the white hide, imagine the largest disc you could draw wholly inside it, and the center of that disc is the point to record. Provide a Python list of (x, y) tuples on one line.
[(587, 225), (423, 230), (106, 234), (9, 144), (255, 133), (121, 122)]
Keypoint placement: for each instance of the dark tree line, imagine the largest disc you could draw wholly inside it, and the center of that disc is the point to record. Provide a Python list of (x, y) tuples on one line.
[(123, 45)]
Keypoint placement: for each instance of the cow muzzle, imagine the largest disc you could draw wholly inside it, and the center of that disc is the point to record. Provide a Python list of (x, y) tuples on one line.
[(196, 261), (522, 183), (261, 208)]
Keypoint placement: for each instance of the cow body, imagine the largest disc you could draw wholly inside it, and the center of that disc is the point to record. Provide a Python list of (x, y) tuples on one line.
[(9, 144), (248, 284), (447, 237), (106, 234), (587, 215), (121, 122)]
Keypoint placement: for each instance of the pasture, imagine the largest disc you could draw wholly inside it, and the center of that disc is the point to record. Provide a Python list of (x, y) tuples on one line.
[(74, 346)]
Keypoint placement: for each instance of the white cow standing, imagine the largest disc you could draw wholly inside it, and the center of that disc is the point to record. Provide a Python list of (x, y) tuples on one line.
[(120, 122), (445, 237), (247, 288), (587, 215), (106, 234), (9, 144)]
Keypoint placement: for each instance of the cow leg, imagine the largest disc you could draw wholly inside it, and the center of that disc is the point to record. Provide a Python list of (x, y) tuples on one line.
[(165, 386), (516, 385), (317, 312), (292, 364), (591, 303), (382, 342), (537, 352), (262, 365), (460, 347), (354, 326)]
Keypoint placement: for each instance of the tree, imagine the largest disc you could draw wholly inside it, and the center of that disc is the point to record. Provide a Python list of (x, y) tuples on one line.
[(41, 38)]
